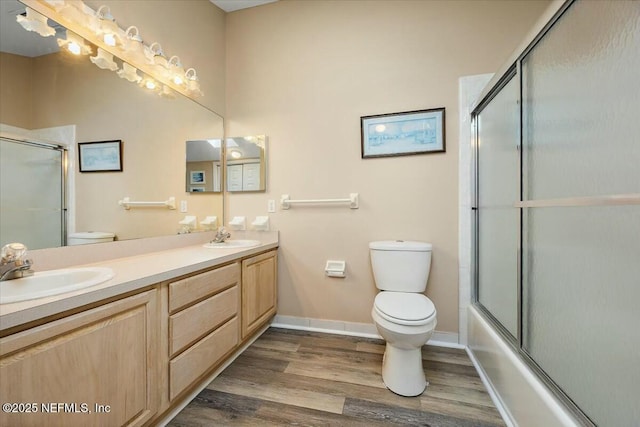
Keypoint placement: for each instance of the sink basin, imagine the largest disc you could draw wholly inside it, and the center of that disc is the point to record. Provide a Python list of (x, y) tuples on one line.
[(232, 244), (54, 282)]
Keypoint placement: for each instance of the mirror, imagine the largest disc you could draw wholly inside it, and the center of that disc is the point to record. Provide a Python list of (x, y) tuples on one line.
[(44, 89), (204, 166), (246, 163)]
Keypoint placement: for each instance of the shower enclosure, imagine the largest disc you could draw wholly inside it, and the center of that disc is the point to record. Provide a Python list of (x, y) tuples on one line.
[(557, 208), (32, 196)]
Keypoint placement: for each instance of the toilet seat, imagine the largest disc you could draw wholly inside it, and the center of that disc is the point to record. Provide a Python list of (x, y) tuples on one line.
[(404, 308)]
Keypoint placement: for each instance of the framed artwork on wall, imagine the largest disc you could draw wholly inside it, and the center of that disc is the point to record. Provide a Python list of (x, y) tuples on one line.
[(197, 177), (101, 156), (403, 134)]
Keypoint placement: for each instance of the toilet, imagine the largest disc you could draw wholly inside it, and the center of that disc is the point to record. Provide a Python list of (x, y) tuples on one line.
[(87, 237), (403, 315)]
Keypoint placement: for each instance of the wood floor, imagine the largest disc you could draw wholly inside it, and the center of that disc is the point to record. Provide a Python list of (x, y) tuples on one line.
[(290, 377)]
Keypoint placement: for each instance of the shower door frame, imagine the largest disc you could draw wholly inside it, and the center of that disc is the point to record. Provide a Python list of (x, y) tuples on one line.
[(64, 154), (512, 71)]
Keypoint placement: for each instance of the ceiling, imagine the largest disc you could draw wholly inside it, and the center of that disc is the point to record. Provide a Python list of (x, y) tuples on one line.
[(232, 5)]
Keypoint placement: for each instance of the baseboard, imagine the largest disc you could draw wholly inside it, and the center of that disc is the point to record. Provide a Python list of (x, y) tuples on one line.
[(365, 330)]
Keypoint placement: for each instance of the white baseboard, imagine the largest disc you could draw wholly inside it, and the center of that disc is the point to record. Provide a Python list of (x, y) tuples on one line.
[(366, 330)]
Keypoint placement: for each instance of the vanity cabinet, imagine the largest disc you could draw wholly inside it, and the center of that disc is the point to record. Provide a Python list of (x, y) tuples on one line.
[(259, 291), (203, 324), (97, 367), (134, 358)]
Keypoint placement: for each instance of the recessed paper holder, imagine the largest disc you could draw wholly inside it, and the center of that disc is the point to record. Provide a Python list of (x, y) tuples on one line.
[(335, 268)]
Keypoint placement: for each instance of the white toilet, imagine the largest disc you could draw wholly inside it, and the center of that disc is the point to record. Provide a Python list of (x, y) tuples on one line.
[(403, 315), (88, 237)]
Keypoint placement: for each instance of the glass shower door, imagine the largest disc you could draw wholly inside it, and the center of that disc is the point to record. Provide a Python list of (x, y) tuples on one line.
[(498, 130), (581, 252), (31, 194)]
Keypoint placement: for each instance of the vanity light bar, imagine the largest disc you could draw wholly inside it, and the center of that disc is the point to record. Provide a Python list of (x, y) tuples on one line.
[(100, 28)]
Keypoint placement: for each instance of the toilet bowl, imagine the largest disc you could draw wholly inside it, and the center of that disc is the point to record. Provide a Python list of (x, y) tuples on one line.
[(403, 315), (87, 237)]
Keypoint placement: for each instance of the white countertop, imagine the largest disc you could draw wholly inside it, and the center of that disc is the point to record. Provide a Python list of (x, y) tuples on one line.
[(131, 273)]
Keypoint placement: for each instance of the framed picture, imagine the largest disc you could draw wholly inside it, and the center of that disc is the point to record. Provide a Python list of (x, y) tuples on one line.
[(101, 156), (403, 134), (196, 189), (197, 177)]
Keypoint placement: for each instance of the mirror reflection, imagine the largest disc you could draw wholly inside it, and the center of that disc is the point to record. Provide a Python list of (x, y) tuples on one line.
[(204, 166), (49, 94), (246, 163)]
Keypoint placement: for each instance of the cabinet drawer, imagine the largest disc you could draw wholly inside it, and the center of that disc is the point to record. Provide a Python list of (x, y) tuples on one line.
[(187, 326), (185, 291), (185, 369)]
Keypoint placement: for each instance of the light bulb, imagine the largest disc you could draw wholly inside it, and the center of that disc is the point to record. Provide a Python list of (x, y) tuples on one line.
[(380, 128), (178, 80), (74, 48), (150, 84), (109, 39)]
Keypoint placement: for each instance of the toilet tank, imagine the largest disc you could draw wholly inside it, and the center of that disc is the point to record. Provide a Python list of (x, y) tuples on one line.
[(400, 266), (87, 237)]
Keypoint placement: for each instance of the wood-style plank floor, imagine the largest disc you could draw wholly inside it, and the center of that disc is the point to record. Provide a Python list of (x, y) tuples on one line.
[(289, 377)]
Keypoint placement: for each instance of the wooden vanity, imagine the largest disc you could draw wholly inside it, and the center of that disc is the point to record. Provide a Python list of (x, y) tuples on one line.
[(132, 358)]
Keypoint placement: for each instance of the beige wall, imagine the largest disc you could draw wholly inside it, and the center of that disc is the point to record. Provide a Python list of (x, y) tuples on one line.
[(15, 87), (304, 72)]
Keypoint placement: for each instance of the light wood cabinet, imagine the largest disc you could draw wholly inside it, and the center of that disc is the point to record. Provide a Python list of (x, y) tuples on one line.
[(203, 324), (138, 357), (259, 291), (103, 356)]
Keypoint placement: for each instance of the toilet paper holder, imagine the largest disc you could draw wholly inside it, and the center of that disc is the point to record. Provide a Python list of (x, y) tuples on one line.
[(335, 268)]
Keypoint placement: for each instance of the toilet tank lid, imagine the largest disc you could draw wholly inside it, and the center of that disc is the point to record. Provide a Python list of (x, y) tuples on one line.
[(92, 235), (400, 245)]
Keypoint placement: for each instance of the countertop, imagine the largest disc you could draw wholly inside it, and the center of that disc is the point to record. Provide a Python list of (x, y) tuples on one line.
[(131, 273)]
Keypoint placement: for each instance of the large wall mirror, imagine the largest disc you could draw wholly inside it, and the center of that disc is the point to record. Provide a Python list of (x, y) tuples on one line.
[(48, 93), (246, 163)]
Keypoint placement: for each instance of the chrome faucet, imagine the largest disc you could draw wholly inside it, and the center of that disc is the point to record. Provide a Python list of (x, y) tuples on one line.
[(13, 263), (221, 236)]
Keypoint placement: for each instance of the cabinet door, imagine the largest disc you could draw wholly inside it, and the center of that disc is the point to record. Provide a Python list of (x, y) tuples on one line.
[(234, 177), (96, 367), (251, 176), (259, 290)]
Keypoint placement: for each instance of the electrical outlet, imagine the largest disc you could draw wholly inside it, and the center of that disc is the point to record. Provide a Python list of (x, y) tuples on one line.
[(183, 206), (271, 206)]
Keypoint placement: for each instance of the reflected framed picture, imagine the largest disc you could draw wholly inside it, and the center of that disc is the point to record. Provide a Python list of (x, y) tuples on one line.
[(403, 134), (100, 156), (197, 177)]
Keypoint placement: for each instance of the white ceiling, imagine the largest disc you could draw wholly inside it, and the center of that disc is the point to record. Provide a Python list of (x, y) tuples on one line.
[(231, 5)]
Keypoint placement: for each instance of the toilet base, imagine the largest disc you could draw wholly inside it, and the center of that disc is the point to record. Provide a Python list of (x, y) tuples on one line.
[(402, 371)]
